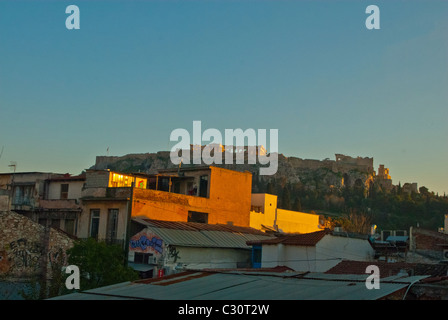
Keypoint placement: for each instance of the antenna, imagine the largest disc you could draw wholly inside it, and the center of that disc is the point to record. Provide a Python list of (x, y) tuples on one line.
[(13, 164), (180, 165), (1, 152)]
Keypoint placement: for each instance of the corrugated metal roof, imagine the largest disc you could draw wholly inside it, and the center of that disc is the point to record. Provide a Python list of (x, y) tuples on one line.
[(202, 235), (233, 286), (196, 226)]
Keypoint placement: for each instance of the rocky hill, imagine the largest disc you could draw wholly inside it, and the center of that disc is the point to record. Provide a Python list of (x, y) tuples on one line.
[(334, 188), (310, 174)]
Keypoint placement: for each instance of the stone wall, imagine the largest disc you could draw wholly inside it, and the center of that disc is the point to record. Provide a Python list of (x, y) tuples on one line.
[(25, 248)]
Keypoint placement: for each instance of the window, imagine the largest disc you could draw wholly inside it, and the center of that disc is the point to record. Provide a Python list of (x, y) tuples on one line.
[(142, 258), (18, 195), (194, 216), (64, 191), (203, 186), (119, 180), (22, 195), (112, 224), (94, 222), (164, 184)]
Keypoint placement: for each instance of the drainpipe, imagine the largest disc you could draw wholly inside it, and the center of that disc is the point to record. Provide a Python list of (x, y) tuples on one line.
[(128, 227), (275, 220)]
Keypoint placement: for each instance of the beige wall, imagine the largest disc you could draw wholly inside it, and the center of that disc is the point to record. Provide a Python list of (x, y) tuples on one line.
[(74, 189), (104, 206)]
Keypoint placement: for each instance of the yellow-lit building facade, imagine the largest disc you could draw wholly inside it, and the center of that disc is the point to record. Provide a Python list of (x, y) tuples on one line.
[(205, 195), (208, 194), (265, 215)]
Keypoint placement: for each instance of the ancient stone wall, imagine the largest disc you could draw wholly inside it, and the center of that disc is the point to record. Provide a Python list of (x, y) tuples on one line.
[(24, 246)]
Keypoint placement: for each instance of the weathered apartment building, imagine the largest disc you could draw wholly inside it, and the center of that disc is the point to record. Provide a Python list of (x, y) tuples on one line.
[(43, 197), (100, 203), (206, 195)]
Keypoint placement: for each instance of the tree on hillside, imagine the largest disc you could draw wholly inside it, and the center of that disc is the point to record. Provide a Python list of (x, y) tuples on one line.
[(297, 204), (286, 199)]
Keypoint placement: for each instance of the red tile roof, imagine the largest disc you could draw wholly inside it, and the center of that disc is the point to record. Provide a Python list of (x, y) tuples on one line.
[(305, 239)]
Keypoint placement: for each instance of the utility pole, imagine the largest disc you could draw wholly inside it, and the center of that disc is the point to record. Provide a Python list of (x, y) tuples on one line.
[(11, 192)]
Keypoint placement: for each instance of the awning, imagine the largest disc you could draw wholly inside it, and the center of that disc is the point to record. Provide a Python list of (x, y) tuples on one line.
[(140, 267)]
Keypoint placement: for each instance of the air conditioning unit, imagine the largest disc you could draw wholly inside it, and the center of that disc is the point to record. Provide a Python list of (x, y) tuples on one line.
[(445, 255)]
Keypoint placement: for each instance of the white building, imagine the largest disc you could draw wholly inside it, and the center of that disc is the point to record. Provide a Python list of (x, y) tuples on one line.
[(314, 252)]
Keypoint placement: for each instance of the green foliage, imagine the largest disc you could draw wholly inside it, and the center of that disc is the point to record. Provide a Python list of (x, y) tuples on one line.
[(100, 264), (286, 199)]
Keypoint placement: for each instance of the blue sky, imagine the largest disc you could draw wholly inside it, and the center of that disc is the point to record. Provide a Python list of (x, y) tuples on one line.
[(136, 70)]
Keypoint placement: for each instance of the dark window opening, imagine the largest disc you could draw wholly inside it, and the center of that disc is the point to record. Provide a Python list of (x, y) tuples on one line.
[(94, 223), (203, 186), (194, 216), (112, 224), (64, 191), (142, 258), (176, 187), (152, 183), (164, 184)]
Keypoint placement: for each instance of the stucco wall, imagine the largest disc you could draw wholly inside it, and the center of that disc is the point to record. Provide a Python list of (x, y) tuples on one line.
[(297, 222), (229, 200), (287, 221), (327, 253), (268, 202), (74, 189), (103, 206), (201, 258)]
